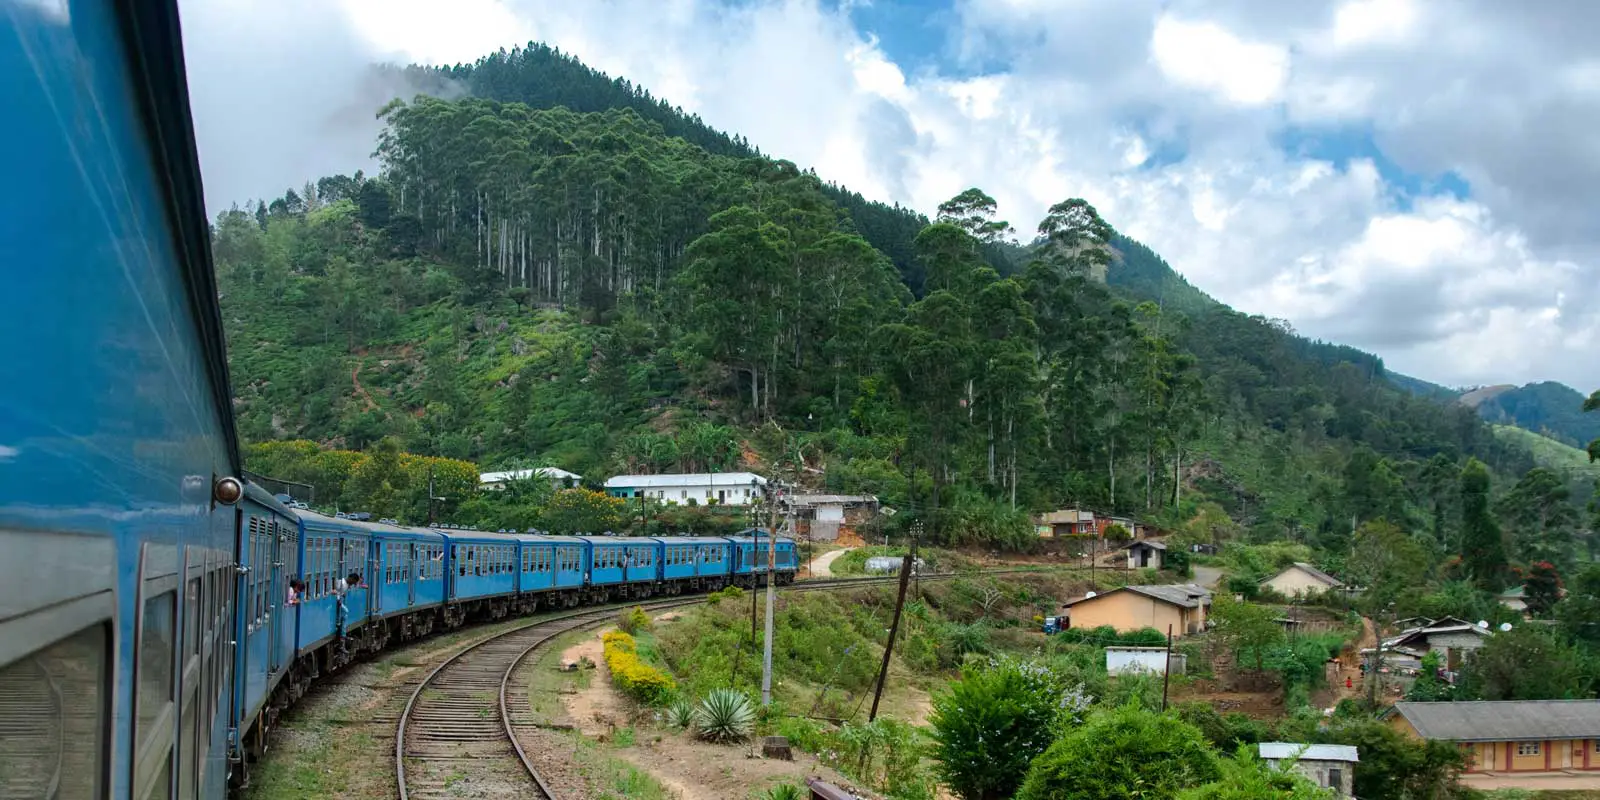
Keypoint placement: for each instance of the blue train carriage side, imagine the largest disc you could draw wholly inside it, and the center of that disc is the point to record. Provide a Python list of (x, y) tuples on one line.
[(622, 567), (549, 572), (119, 463), (750, 554), (481, 575), (695, 563), (267, 551)]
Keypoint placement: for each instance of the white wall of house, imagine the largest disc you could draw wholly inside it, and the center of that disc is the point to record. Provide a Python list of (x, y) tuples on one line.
[(702, 494), (1121, 660)]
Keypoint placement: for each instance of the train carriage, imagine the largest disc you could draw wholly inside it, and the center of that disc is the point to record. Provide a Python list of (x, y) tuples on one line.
[(549, 570), (267, 553), (623, 567), (750, 557), (695, 562)]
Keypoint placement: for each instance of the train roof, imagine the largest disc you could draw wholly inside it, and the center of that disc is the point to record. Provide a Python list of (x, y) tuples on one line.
[(616, 539), (539, 538), (763, 537), (691, 539), (264, 497), (366, 526)]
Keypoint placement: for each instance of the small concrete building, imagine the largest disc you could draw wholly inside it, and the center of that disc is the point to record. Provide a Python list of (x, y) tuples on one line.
[(1066, 522), (1121, 660), (1147, 554), (704, 488), (1449, 637), (1302, 580), (1181, 606), (1331, 766), (1509, 736), (832, 517)]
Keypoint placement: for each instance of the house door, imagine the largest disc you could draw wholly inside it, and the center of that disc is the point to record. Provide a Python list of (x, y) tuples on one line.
[(722, 496)]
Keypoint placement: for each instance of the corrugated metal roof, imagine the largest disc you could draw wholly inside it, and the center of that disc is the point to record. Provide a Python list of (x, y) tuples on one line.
[(1149, 544), (693, 479), (830, 499), (1066, 516), (1309, 752), (1186, 595), (1503, 720)]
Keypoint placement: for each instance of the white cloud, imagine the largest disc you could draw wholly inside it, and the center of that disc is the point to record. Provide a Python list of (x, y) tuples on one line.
[(1063, 99), (1204, 55), (1362, 22)]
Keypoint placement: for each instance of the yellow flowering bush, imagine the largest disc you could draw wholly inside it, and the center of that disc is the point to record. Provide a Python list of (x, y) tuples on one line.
[(636, 679)]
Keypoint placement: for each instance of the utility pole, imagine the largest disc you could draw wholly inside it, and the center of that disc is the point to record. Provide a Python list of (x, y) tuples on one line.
[(772, 561), (1166, 674), (894, 628)]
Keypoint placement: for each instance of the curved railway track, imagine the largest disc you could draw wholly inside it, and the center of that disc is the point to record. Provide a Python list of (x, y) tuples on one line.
[(457, 734)]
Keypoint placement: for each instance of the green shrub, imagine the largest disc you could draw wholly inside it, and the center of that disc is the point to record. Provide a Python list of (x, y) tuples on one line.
[(783, 791), (633, 620), (1123, 753), (1246, 777), (730, 593), (725, 716), (990, 724)]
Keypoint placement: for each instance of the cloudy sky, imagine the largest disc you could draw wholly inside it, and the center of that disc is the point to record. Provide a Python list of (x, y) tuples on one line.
[(1413, 178)]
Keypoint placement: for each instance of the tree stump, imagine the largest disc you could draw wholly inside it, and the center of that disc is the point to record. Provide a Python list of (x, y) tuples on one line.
[(776, 747)]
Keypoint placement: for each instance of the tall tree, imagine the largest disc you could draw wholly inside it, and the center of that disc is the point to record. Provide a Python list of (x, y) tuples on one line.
[(973, 211), (1540, 516), (1483, 551)]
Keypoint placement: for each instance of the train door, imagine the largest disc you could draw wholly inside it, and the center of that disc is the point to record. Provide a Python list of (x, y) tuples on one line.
[(375, 570), (275, 546), (412, 566)]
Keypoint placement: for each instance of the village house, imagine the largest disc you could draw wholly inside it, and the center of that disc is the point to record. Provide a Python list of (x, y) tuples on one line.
[(559, 478), (1066, 522), (832, 517), (1509, 736), (714, 488), (1147, 554), (1182, 606), (1449, 637), (1331, 766), (1302, 580)]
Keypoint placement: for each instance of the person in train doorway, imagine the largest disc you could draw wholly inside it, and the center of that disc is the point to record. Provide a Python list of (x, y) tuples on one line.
[(297, 590), (342, 587)]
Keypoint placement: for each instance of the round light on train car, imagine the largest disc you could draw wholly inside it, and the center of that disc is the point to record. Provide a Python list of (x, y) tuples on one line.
[(227, 491)]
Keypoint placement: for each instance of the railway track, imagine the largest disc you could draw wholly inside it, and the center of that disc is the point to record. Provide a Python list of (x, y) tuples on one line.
[(457, 734)]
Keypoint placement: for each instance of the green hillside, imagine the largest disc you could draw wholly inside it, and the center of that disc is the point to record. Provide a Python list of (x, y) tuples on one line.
[(597, 282), (1549, 408)]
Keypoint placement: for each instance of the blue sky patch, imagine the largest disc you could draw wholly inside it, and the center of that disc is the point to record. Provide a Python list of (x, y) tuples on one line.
[(1340, 146)]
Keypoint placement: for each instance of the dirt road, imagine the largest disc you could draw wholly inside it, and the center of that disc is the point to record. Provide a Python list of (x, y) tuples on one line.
[(822, 566)]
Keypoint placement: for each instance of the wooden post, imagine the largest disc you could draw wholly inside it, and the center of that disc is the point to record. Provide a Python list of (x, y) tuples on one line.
[(894, 628), (1166, 674)]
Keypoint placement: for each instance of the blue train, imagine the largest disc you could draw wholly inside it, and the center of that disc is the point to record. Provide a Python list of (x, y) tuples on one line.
[(147, 640)]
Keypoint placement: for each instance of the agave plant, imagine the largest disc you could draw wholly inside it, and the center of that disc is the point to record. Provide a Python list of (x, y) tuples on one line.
[(680, 714), (725, 716), (783, 791)]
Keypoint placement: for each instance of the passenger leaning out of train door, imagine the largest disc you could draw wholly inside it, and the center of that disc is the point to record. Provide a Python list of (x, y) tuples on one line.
[(297, 589)]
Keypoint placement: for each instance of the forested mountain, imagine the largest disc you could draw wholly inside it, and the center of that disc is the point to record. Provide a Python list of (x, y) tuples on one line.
[(588, 278), (1550, 408)]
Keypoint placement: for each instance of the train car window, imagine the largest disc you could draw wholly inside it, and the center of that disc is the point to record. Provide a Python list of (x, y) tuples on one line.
[(157, 644), (54, 705)]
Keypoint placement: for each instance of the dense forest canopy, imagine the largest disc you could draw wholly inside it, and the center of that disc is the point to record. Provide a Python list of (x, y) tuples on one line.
[(560, 269)]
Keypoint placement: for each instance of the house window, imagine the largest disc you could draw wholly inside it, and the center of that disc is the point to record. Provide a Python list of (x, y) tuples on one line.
[(1527, 748)]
